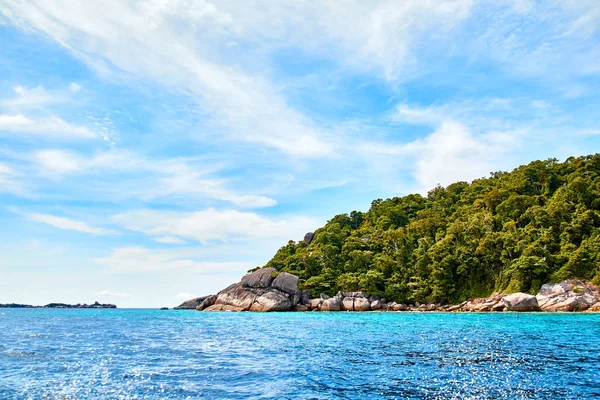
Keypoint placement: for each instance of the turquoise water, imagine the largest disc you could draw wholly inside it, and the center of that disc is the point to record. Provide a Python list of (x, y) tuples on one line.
[(69, 354)]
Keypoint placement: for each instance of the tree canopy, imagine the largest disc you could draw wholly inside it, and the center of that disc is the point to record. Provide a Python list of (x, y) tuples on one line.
[(512, 231)]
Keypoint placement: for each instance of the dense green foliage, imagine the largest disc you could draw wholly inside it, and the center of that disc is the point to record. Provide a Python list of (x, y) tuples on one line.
[(509, 232)]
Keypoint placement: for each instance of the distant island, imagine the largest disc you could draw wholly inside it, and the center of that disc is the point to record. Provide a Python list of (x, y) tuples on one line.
[(534, 231), (59, 305)]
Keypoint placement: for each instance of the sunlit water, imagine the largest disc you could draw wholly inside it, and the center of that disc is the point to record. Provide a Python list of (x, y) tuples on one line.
[(64, 354)]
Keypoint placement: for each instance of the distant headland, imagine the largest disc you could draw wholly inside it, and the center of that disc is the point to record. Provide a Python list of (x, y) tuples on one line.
[(59, 305)]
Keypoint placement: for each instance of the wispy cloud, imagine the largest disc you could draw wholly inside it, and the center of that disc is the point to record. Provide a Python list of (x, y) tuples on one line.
[(44, 127), (29, 97), (212, 224), (67, 223), (141, 259), (247, 104), (169, 177), (10, 180), (169, 240)]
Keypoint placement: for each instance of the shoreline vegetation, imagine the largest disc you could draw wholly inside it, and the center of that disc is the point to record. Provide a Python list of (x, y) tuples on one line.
[(524, 240), (59, 305)]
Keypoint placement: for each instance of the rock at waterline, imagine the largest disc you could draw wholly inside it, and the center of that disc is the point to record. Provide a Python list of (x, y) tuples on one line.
[(191, 304), (348, 304), (209, 301), (331, 304), (288, 283), (259, 291), (237, 296), (272, 301), (570, 295), (315, 304), (361, 304), (521, 302)]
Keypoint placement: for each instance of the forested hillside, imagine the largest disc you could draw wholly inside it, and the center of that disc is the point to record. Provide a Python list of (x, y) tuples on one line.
[(510, 232)]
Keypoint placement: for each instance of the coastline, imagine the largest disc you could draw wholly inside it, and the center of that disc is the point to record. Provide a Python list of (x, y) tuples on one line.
[(94, 305), (267, 290)]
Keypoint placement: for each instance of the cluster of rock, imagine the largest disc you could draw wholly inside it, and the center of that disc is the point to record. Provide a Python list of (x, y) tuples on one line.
[(569, 295), (262, 290), (347, 301), (268, 290), (59, 305)]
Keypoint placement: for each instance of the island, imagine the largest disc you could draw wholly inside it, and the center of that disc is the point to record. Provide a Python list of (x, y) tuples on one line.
[(525, 240), (59, 305)]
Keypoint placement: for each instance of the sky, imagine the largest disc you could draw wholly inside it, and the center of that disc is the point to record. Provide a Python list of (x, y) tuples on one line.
[(154, 151)]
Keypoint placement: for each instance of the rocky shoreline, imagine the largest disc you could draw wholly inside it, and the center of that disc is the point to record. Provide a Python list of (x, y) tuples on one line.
[(268, 290), (59, 305)]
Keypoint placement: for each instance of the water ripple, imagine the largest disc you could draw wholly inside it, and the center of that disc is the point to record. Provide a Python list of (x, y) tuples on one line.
[(147, 354)]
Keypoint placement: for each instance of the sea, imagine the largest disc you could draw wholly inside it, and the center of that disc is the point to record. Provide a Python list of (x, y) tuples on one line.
[(177, 354)]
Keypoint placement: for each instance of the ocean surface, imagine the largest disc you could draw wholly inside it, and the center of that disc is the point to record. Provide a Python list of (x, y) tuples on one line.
[(152, 354)]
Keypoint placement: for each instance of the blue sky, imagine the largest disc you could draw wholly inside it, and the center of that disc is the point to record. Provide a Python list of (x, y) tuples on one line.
[(152, 151)]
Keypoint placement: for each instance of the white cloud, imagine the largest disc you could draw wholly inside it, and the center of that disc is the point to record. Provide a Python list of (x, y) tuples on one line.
[(483, 112), (141, 259), (211, 224), (26, 97), (184, 295), (450, 153), (45, 127), (246, 104), (181, 178), (587, 15), (112, 294), (10, 181), (170, 177), (169, 240), (453, 153), (365, 36), (74, 87), (57, 162), (67, 223), (419, 115)]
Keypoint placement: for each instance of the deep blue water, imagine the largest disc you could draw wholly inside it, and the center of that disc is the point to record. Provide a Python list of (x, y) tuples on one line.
[(83, 354)]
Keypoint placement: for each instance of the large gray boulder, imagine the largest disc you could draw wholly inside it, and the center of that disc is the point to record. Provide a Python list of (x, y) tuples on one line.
[(331, 304), (309, 237), (305, 297), (361, 304), (261, 278), (272, 301), (238, 297), (315, 304), (570, 295), (192, 303), (348, 304), (288, 283), (520, 302)]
